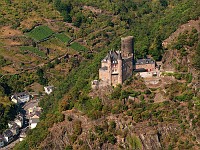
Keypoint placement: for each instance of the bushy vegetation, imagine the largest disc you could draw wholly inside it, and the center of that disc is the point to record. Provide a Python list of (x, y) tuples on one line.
[(7, 108), (149, 22), (40, 33), (16, 13)]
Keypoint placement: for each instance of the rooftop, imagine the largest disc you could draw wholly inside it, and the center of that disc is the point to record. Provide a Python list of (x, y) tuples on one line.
[(113, 56), (8, 133), (34, 120), (21, 94), (144, 61), (104, 68)]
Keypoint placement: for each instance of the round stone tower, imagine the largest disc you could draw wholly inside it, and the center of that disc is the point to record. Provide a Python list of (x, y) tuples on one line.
[(127, 46)]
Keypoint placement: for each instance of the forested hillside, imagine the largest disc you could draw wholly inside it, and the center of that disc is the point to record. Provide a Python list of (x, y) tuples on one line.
[(50, 29)]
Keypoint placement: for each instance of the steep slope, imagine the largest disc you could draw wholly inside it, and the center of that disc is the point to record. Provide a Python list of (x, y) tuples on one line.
[(138, 125), (102, 31)]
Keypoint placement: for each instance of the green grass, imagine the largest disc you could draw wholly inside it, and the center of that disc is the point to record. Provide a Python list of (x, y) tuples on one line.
[(78, 47), (40, 33), (62, 37), (33, 50)]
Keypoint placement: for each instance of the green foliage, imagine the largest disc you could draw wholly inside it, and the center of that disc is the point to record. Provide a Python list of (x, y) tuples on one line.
[(69, 147), (116, 93), (42, 80), (33, 50), (197, 57), (112, 125), (7, 112), (134, 142), (2, 61), (40, 33)]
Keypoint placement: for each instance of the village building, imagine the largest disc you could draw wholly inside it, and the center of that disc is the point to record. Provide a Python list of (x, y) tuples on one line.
[(2, 141), (11, 123), (48, 89), (19, 120), (15, 129), (23, 134), (117, 66), (33, 122), (19, 98), (34, 119), (31, 110), (8, 135)]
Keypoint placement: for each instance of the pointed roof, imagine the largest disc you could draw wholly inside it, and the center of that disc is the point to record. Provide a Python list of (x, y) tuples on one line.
[(108, 56), (119, 56)]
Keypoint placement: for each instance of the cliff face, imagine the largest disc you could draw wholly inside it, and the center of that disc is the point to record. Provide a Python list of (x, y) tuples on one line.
[(83, 130)]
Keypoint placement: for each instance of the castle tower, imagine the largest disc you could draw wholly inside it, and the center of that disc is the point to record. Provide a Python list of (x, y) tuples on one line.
[(127, 46), (109, 69), (120, 75)]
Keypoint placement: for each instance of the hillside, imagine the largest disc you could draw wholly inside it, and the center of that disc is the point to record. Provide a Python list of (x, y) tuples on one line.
[(121, 123), (61, 43)]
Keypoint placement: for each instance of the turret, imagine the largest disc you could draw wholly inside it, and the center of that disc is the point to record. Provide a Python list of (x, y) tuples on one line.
[(120, 69), (127, 46)]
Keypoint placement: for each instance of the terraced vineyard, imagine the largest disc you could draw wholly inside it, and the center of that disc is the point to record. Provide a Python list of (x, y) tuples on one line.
[(78, 47), (33, 50), (40, 33), (62, 37)]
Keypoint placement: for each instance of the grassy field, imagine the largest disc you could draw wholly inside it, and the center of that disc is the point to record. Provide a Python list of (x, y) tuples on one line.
[(62, 37), (78, 47), (40, 33), (33, 50)]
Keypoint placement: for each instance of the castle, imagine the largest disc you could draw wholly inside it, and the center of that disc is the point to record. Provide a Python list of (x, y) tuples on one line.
[(117, 66)]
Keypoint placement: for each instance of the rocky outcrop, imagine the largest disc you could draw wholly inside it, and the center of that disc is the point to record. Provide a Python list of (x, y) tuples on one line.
[(68, 133)]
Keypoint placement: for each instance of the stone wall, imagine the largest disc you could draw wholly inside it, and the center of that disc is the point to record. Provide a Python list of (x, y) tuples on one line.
[(127, 68), (115, 79), (148, 67)]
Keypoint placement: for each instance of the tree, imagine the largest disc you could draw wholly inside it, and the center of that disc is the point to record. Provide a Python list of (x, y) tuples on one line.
[(156, 48)]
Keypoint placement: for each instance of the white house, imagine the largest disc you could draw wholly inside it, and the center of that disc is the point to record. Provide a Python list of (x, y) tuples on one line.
[(20, 97), (48, 89), (33, 122), (1, 141), (34, 119), (19, 120)]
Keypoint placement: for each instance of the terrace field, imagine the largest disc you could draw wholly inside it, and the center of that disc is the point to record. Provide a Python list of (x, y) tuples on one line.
[(40, 33), (78, 47), (62, 37), (33, 50)]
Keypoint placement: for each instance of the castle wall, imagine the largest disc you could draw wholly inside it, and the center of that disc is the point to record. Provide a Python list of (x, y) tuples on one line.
[(114, 79), (104, 75), (148, 67)]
